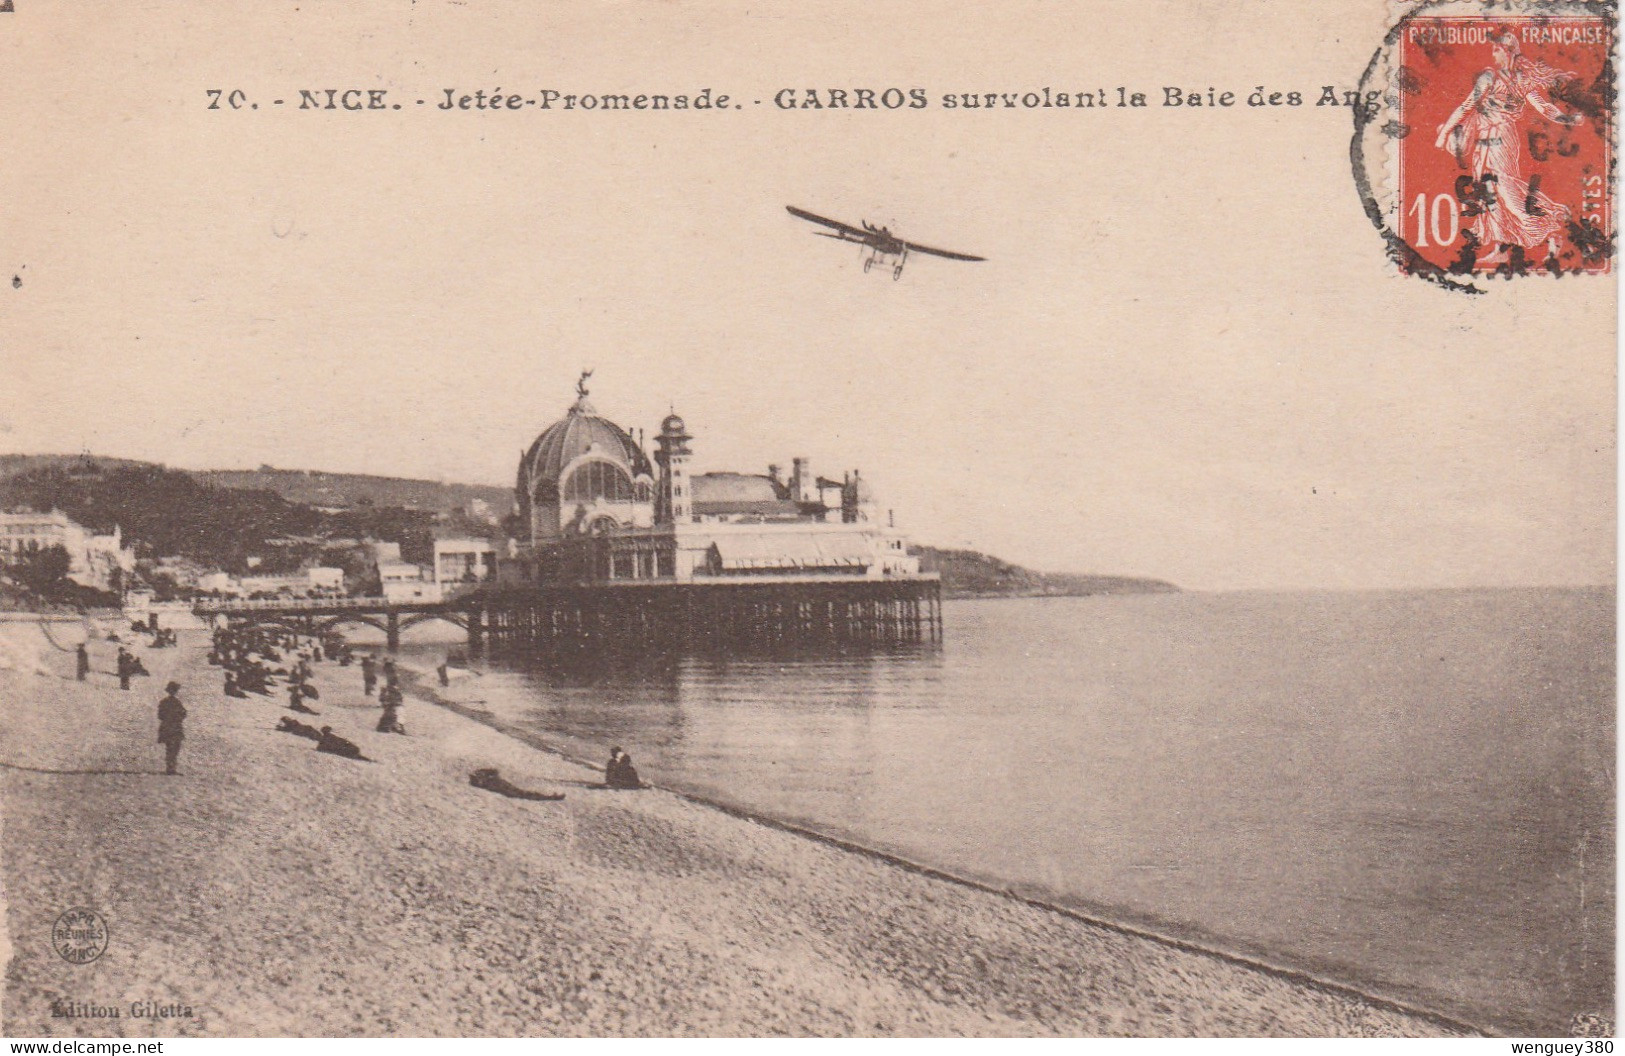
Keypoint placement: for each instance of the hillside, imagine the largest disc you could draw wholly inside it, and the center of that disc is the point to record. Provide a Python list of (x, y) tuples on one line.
[(172, 513), (343, 490), (300, 486), (970, 574)]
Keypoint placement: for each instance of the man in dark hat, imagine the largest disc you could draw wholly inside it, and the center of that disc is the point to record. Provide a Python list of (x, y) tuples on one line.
[(171, 717)]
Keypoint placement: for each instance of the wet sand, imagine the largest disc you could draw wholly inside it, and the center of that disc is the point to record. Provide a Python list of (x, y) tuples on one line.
[(274, 890)]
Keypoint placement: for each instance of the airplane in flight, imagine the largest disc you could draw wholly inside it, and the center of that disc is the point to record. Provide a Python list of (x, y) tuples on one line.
[(882, 244)]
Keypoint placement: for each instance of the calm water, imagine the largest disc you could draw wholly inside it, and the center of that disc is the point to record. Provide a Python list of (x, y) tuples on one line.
[(1408, 791)]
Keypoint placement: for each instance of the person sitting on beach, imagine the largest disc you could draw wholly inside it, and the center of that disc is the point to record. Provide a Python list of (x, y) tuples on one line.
[(289, 724), (252, 678), (333, 744), (620, 773), (296, 700), (390, 720)]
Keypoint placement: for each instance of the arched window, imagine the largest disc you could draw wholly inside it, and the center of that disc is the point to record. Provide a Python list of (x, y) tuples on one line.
[(643, 492), (597, 480)]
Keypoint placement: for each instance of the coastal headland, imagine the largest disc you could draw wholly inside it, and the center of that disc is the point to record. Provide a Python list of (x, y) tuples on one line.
[(274, 890)]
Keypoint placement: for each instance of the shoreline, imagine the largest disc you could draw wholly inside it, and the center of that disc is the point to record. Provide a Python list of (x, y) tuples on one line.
[(276, 890), (415, 682)]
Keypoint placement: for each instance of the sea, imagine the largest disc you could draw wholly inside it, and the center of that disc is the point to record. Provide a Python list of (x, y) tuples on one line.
[(1407, 792)]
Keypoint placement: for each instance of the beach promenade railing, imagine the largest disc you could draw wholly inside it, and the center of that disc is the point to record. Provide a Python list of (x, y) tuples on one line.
[(296, 604)]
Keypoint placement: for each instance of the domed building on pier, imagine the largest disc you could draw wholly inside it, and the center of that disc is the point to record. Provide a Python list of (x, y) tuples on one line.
[(583, 475), (594, 506)]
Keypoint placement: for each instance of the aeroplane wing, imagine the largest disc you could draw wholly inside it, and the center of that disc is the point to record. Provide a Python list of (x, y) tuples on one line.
[(845, 229), (915, 247)]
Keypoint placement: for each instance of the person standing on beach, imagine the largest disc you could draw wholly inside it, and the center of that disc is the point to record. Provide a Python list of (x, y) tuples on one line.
[(171, 731), (369, 674), (82, 661), (124, 668), (390, 720)]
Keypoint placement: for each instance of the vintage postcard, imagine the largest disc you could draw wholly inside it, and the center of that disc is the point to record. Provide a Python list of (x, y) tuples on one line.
[(698, 518)]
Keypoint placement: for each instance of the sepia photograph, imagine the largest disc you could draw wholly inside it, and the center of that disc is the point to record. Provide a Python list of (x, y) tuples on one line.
[(694, 519)]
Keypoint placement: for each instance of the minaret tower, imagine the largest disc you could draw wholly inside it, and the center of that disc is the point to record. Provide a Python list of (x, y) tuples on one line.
[(675, 502)]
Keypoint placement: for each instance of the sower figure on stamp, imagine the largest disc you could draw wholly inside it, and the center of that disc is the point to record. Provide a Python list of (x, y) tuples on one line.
[(171, 732), (1483, 133)]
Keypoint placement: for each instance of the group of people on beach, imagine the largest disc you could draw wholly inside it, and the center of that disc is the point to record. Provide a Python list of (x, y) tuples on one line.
[(254, 659), (247, 656)]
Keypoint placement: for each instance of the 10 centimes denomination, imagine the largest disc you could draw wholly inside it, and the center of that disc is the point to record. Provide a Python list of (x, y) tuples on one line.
[(79, 935), (1490, 153)]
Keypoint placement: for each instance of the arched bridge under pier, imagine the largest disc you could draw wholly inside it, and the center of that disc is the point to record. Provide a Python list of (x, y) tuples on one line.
[(318, 616)]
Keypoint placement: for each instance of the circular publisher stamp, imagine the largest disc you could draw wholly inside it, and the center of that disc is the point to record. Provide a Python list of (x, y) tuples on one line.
[(79, 936), (1487, 150)]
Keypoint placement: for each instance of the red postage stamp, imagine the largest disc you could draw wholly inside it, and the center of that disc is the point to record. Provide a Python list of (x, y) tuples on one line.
[(1505, 161)]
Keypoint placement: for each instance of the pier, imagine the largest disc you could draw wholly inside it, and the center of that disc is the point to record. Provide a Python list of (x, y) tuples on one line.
[(760, 613)]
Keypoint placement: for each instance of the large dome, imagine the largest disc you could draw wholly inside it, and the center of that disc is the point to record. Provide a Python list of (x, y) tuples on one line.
[(572, 436)]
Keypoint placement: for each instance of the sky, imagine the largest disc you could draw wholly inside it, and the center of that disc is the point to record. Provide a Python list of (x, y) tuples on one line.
[(1186, 356)]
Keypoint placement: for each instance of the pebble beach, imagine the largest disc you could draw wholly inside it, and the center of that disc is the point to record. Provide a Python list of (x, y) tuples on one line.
[(272, 890)]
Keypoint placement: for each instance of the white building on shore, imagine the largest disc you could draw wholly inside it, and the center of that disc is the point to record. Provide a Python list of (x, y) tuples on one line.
[(99, 561)]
